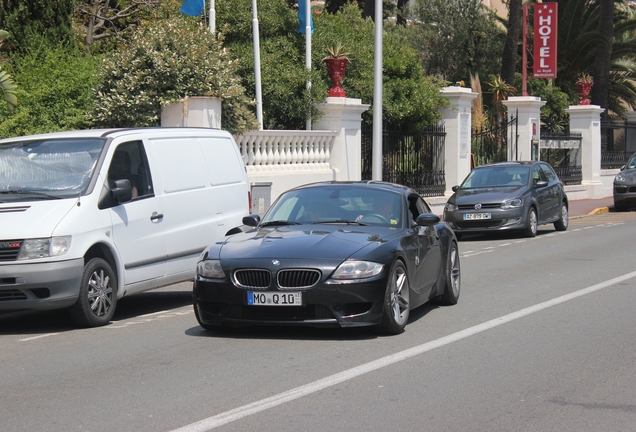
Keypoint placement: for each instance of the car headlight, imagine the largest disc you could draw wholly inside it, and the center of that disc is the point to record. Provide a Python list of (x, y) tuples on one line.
[(210, 269), (512, 203), (450, 207), (352, 269), (44, 247), (620, 178)]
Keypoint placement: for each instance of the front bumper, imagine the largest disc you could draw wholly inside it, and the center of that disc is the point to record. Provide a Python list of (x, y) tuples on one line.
[(624, 195), (40, 286), (513, 219), (324, 305)]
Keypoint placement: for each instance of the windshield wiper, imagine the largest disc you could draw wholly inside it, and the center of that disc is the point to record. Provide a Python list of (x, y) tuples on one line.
[(341, 221), (27, 192), (279, 222)]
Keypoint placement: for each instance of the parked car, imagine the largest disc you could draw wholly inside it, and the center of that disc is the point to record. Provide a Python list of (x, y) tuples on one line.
[(625, 186), (330, 254), (87, 217), (513, 196)]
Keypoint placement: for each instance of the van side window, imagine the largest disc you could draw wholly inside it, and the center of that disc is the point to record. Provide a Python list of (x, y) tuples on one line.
[(130, 162)]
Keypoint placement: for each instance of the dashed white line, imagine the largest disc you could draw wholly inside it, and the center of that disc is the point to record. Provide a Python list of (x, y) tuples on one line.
[(37, 337)]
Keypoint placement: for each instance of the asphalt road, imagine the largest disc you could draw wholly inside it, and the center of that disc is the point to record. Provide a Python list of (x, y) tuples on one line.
[(543, 338)]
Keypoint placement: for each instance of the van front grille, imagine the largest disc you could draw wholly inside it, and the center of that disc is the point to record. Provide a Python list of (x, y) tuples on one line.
[(12, 294), (9, 249)]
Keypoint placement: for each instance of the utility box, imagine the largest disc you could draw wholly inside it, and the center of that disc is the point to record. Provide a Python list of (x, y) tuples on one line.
[(261, 197)]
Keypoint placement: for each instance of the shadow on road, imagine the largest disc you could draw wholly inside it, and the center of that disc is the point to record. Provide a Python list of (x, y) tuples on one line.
[(57, 321)]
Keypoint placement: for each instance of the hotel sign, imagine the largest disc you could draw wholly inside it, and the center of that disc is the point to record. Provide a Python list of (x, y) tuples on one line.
[(545, 40)]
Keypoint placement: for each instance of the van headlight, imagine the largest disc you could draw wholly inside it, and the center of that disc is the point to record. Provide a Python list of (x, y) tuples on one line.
[(44, 247), (210, 269)]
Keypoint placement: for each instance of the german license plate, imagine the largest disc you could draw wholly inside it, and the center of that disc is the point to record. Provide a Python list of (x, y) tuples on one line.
[(477, 216), (274, 299)]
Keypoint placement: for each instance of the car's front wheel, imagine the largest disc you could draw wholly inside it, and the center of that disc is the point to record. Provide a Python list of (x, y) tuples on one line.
[(531, 224), (562, 223), (395, 313), (98, 295)]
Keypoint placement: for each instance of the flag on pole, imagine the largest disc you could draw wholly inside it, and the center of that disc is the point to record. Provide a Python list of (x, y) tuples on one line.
[(192, 7), (302, 12)]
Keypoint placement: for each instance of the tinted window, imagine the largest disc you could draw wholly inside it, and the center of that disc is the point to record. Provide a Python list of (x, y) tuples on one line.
[(548, 173), (130, 162), (495, 176)]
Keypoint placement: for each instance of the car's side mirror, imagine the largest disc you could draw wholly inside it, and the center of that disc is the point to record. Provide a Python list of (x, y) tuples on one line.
[(251, 220), (540, 184), (454, 188), (623, 168), (427, 219)]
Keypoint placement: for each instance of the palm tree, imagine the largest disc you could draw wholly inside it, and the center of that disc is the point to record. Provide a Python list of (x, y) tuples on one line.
[(7, 85), (600, 92), (509, 55)]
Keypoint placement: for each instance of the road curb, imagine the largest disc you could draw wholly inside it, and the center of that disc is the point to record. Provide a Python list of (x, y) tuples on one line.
[(593, 212)]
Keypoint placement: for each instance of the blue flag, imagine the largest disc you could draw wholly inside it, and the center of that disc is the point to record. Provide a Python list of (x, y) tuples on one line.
[(192, 7), (302, 7)]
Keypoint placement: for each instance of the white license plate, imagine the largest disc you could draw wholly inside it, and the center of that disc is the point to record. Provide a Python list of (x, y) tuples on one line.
[(274, 298), (477, 216)]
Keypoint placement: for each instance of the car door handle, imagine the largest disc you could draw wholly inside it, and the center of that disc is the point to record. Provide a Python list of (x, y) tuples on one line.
[(156, 216)]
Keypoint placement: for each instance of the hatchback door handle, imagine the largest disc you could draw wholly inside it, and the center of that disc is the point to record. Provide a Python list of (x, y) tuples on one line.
[(156, 216)]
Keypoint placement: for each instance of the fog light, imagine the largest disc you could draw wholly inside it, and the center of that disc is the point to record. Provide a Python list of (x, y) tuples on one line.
[(512, 221)]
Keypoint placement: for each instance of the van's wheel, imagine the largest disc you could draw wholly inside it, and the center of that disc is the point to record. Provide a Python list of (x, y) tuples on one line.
[(562, 223), (531, 227), (395, 312), (97, 297)]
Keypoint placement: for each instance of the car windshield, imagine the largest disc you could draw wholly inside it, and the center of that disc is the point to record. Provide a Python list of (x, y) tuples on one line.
[(49, 168), (337, 204), (504, 176), (631, 164)]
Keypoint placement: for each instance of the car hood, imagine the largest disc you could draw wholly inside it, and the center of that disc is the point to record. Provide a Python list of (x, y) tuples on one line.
[(32, 219), (303, 241), (485, 195)]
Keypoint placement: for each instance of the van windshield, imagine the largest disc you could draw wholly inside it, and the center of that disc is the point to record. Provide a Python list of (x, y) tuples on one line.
[(55, 168)]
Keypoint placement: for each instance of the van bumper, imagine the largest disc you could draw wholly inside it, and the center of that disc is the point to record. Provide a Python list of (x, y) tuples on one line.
[(40, 286)]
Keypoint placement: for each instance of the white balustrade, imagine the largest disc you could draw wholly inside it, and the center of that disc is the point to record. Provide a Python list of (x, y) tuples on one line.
[(286, 149)]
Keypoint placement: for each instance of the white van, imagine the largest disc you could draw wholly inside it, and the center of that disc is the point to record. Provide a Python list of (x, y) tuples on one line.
[(87, 217)]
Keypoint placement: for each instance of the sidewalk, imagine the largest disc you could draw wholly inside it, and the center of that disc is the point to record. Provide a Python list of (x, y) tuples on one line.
[(580, 208)]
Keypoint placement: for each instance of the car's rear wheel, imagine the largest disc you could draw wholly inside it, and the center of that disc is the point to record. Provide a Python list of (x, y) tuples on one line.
[(531, 224), (562, 223), (98, 295), (452, 282), (395, 313)]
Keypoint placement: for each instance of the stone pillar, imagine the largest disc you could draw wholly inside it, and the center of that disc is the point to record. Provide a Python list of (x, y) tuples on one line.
[(528, 109), (630, 132), (458, 124), (195, 111), (586, 120), (344, 115)]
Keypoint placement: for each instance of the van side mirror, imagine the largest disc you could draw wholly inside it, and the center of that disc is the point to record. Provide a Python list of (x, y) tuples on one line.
[(122, 192)]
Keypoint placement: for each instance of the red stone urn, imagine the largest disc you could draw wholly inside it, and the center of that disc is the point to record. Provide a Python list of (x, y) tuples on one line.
[(584, 90), (336, 67)]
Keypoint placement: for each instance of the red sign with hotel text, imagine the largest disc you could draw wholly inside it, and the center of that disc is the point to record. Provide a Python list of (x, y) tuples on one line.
[(545, 40)]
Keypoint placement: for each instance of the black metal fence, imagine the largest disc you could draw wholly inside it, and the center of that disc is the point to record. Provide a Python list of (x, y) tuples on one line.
[(490, 144), (563, 152), (618, 143), (416, 161)]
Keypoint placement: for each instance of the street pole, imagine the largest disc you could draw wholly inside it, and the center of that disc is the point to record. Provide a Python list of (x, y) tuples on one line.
[(308, 53), (257, 67), (376, 172)]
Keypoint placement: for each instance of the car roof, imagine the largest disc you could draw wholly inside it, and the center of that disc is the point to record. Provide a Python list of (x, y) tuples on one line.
[(374, 184), (110, 133), (508, 163)]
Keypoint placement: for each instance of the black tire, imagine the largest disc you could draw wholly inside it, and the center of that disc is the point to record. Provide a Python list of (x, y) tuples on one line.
[(395, 313), (458, 236), (620, 208), (564, 220), (452, 277), (97, 297), (532, 223)]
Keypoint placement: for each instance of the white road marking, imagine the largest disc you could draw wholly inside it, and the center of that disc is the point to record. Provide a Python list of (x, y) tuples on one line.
[(307, 389), (37, 337)]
